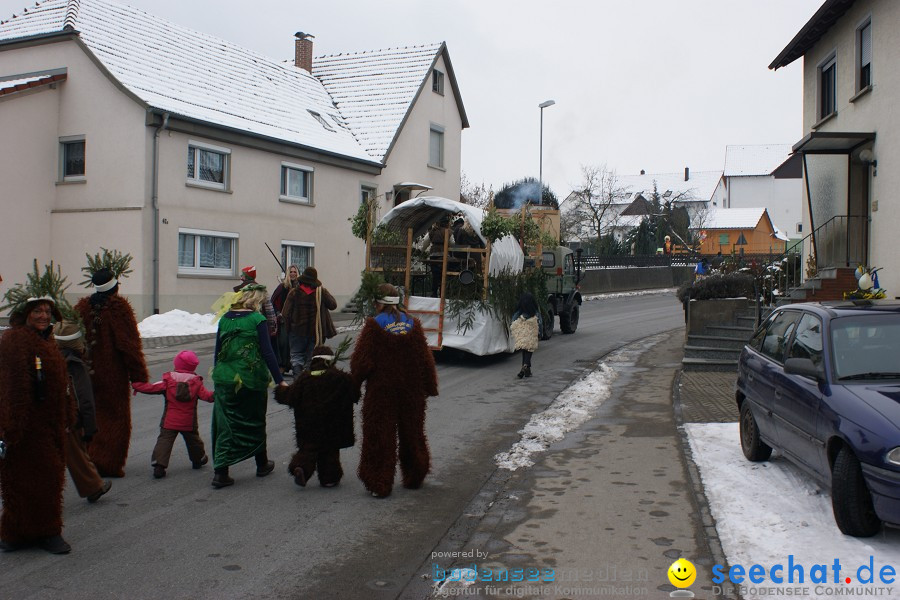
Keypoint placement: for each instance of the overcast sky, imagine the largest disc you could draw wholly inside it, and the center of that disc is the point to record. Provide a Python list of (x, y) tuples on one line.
[(641, 84)]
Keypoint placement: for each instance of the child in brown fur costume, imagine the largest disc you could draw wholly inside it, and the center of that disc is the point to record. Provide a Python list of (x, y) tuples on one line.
[(34, 414), (322, 398), (118, 360), (393, 358)]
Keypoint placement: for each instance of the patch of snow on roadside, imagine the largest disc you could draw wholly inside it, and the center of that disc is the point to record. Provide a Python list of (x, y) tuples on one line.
[(570, 409), (767, 511), (456, 579), (176, 322), (612, 295)]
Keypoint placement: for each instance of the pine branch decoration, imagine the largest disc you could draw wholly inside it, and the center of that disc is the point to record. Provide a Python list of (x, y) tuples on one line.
[(342, 348), (115, 261), (49, 283)]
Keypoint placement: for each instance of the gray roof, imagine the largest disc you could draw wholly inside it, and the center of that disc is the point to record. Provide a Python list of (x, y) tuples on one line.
[(195, 76), (817, 26), (375, 90)]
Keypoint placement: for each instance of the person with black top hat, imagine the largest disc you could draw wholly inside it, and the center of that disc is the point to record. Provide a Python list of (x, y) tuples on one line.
[(118, 360), (307, 317), (35, 412)]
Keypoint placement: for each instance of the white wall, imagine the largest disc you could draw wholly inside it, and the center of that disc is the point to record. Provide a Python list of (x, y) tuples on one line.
[(63, 221), (872, 112), (781, 197), (408, 160)]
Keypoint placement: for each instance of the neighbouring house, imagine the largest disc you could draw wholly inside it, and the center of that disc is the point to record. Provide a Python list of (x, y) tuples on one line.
[(850, 86), (766, 175), (693, 191), (740, 231), (126, 131)]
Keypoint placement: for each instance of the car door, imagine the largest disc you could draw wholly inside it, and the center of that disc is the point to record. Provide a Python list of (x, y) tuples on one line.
[(798, 398), (763, 368)]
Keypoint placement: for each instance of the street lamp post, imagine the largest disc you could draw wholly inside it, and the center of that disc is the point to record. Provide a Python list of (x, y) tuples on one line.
[(542, 106)]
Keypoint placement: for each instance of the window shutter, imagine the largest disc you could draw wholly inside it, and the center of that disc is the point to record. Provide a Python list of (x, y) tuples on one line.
[(865, 45)]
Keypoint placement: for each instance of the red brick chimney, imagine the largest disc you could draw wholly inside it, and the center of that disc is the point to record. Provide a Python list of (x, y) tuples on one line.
[(303, 51)]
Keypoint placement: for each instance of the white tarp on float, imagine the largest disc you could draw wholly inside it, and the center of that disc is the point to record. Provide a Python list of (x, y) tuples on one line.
[(486, 335)]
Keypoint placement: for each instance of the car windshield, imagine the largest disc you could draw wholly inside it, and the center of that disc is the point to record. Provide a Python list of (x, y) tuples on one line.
[(866, 347)]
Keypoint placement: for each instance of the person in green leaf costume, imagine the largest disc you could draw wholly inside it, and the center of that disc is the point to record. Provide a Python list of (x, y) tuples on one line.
[(244, 365)]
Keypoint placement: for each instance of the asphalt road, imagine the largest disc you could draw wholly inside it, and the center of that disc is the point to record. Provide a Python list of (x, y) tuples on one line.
[(267, 538)]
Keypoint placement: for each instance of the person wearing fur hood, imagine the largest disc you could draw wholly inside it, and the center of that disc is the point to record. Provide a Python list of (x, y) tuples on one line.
[(392, 357), (118, 360), (322, 398)]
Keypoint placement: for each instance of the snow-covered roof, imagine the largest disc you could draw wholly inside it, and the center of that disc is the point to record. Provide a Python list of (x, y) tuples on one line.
[(10, 86), (734, 218), (755, 160), (699, 187), (190, 74), (374, 90)]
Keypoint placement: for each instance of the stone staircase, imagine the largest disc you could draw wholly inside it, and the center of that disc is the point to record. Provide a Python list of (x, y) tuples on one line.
[(828, 284), (719, 346)]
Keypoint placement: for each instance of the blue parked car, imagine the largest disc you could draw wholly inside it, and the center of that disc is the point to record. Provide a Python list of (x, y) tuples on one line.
[(820, 382)]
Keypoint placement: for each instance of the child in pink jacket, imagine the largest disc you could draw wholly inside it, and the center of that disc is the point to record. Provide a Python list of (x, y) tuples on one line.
[(182, 387)]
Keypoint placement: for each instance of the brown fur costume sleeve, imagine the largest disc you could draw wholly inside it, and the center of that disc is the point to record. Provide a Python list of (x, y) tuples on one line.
[(127, 338), (428, 370)]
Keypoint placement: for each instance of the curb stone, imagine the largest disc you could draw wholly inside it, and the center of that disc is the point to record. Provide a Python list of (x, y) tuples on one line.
[(714, 543)]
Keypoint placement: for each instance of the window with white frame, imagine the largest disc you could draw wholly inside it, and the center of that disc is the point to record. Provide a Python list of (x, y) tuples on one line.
[(437, 82), (366, 193), (864, 56), (296, 183), (827, 87), (202, 252), (296, 253), (436, 146), (207, 165), (71, 158)]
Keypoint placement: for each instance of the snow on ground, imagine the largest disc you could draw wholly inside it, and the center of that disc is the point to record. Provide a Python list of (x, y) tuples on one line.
[(767, 511), (611, 295), (572, 407), (176, 322)]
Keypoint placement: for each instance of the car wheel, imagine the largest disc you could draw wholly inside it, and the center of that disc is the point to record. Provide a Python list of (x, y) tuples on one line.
[(568, 320), (754, 448), (850, 497), (548, 325)]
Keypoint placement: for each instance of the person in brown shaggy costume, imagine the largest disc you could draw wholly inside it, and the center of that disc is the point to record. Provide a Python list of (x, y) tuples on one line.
[(34, 414), (118, 360), (322, 398), (393, 358)]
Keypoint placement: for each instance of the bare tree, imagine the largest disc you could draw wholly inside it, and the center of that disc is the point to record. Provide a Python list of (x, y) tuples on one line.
[(477, 195), (588, 212)]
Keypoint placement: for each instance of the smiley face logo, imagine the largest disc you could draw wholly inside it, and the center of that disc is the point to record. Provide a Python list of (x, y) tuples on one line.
[(682, 573)]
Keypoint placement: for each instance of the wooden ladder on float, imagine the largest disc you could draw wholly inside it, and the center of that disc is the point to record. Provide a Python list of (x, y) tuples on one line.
[(408, 276)]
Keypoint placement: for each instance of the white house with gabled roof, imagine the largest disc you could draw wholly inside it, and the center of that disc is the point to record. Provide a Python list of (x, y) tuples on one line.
[(768, 176), (850, 91), (126, 131)]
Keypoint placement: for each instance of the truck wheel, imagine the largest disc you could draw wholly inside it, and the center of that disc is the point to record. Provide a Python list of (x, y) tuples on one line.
[(850, 497), (547, 333), (568, 320)]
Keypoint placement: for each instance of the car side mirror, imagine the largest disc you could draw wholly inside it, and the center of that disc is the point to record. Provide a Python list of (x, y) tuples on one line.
[(804, 367)]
